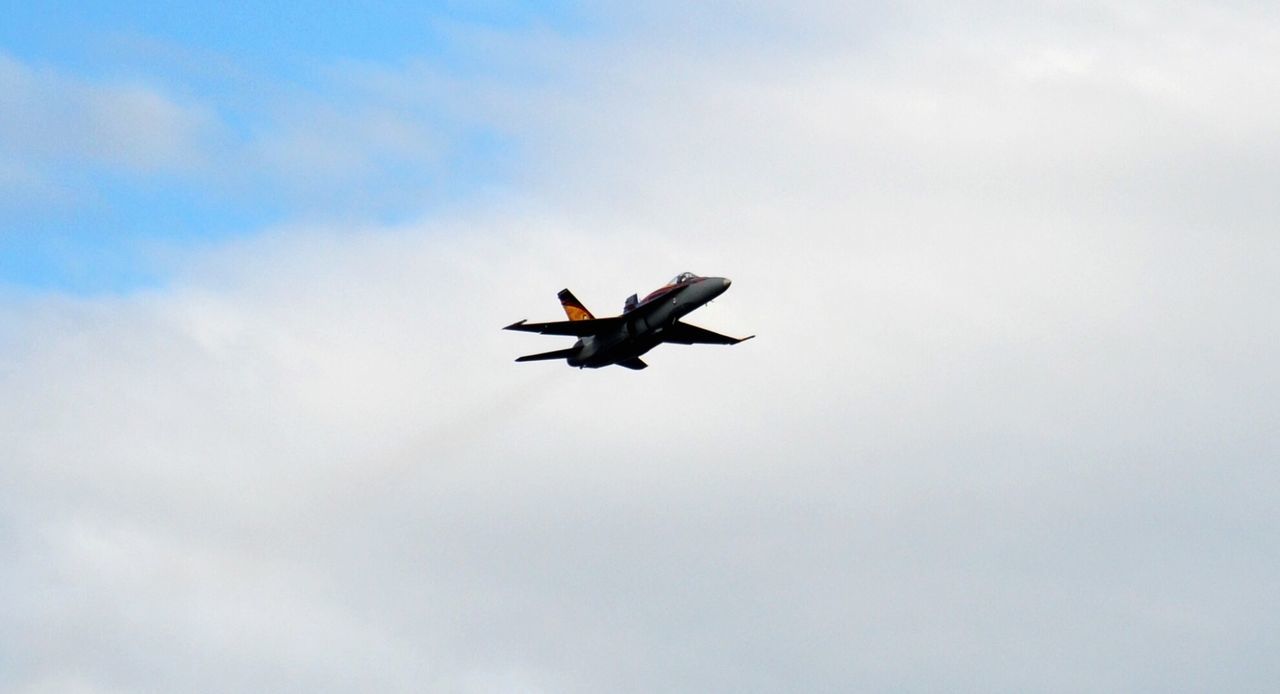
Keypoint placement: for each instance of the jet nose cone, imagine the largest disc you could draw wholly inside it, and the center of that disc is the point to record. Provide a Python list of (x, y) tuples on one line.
[(726, 281)]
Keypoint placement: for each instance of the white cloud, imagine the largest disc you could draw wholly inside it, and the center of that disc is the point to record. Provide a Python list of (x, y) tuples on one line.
[(1006, 427), (327, 149), (47, 115)]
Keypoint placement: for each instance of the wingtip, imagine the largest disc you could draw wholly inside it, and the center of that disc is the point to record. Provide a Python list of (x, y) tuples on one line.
[(516, 324), (748, 337)]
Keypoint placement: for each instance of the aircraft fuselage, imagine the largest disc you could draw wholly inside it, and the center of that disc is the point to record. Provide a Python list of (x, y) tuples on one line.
[(643, 325), (642, 328)]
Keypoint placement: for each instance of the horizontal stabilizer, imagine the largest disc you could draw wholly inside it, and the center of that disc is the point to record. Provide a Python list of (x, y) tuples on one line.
[(685, 334), (558, 354), (574, 328)]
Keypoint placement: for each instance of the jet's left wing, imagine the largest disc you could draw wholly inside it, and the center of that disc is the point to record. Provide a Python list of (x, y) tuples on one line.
[(576, 328), (685, 334)]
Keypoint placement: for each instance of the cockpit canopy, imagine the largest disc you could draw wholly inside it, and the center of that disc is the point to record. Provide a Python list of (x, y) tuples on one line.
[(682, 277)]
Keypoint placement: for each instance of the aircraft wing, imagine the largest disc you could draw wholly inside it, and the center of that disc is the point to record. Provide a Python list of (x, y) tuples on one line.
[(576, 328), (685, 334)]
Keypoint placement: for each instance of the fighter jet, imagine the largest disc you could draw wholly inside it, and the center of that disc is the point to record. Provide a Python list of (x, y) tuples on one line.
[(643, 325)]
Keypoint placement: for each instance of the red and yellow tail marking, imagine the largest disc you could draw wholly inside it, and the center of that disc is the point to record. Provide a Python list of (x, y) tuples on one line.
[(574, 308), (576, 312)]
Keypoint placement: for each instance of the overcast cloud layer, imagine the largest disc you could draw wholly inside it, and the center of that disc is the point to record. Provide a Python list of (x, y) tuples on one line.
[(1009, 424)]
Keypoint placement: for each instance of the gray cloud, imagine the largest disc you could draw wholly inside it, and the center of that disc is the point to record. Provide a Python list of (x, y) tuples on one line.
[(1007, 426)]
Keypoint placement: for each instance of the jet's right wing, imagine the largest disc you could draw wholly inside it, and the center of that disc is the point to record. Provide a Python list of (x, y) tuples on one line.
[(685, 334), (576, 328)]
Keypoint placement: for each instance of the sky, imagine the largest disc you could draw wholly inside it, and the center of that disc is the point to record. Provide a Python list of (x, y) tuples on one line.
[(1009, 423)]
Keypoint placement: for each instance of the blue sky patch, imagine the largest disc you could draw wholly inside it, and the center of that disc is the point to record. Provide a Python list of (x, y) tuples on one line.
[(134, 127)]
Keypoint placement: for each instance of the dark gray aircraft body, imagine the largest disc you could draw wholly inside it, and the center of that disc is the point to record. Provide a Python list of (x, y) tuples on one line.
[(643, 325)]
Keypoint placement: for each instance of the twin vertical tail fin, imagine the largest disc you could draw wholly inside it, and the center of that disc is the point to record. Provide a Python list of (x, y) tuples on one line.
[(572, 307), (575, 311)]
